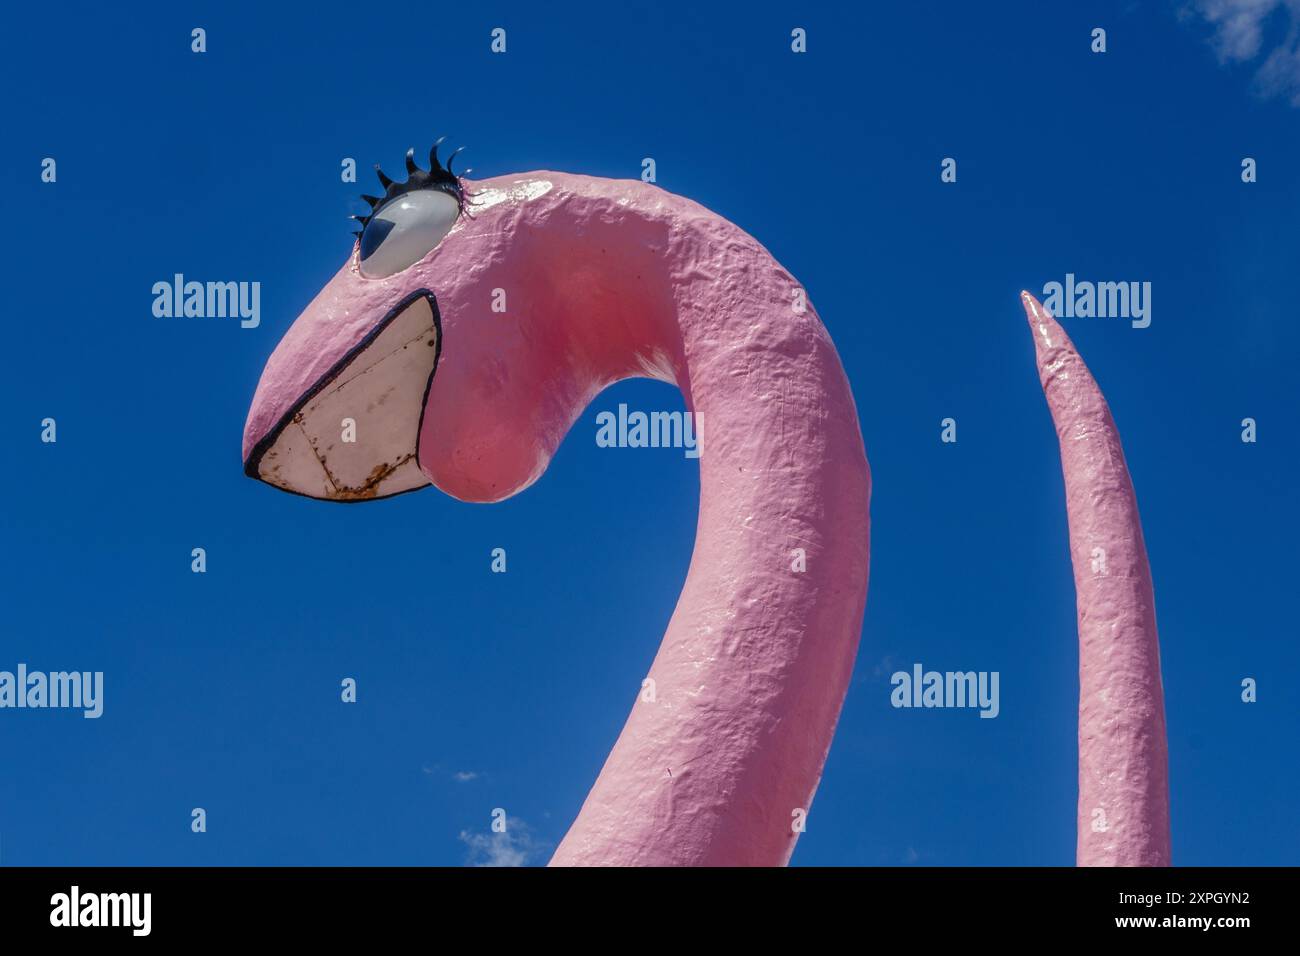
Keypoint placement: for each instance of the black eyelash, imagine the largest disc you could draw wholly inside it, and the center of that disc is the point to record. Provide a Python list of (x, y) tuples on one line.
[(437, 177)]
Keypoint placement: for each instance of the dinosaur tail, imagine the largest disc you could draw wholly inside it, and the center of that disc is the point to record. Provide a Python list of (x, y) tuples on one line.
[(1123, 755)]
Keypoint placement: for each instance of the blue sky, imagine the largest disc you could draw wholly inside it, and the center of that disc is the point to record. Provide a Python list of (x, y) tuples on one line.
[(222, 688)]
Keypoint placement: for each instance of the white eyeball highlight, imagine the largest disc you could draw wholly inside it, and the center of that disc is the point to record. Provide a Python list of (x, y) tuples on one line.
[(403, 230)]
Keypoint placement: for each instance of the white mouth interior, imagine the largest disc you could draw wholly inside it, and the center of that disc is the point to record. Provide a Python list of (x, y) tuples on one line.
[(381, 391)]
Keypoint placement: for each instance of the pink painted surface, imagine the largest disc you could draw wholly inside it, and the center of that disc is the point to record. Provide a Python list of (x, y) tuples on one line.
[(1123, 763), (607, 280)]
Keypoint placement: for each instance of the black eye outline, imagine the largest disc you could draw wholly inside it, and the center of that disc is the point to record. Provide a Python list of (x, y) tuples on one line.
[(437, 177)]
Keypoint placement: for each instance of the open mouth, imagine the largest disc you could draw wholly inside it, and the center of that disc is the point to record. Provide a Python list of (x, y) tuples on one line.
[(354, 436)]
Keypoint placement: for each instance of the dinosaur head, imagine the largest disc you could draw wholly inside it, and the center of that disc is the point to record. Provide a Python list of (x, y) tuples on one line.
[(414, 364)]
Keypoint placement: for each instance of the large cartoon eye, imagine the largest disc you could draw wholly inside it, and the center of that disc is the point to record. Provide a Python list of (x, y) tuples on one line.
[(403, 230), (411, 217)]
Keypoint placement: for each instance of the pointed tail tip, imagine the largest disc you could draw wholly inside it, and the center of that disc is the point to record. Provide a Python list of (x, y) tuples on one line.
[(1030, 304), (1047, 332)]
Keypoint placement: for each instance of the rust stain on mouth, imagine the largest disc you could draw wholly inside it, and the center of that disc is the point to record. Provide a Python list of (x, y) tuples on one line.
[(370, 488)]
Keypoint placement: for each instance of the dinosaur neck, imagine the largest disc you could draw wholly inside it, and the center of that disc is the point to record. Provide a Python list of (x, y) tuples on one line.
[(721, 765)]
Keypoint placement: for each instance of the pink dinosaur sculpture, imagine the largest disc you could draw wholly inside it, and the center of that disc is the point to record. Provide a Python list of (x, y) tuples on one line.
[(460, 342), (605, 280), (1123, 761)]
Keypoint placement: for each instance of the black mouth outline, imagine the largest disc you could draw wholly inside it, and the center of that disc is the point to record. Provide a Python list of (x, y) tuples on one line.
[(253, 463)]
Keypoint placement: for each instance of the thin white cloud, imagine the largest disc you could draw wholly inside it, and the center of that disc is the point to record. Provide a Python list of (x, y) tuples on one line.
[(884, 666), (516, 846), (460, 776), (1241, 32)]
